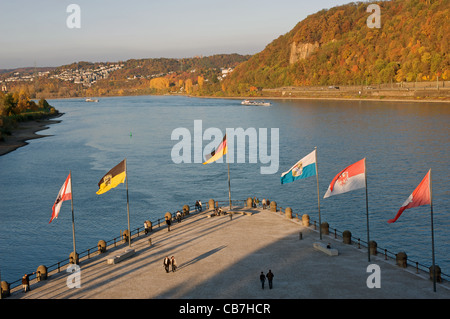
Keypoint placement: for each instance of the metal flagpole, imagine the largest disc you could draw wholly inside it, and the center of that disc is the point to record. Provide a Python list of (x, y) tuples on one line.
[(318, 197), (432, 237), (128, 205), (229, 184), (73, 221), (367, 212)]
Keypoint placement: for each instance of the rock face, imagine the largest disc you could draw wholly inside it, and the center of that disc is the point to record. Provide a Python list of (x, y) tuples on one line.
[(301, 51)]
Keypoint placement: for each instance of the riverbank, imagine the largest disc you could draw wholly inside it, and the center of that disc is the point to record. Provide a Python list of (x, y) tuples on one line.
[(24, 132)]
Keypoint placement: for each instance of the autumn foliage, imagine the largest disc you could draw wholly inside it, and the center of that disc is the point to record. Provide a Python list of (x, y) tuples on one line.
[(411, 45)]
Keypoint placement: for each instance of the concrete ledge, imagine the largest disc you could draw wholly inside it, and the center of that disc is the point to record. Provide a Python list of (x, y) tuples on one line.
[(118, 258), (323, 248)]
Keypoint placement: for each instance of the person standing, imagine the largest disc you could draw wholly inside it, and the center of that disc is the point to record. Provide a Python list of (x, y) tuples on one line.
[(168, 222), (174, 264), (26, 282), (270, 276), (264, 203), (166, 264), (200, 205), (262, 277)]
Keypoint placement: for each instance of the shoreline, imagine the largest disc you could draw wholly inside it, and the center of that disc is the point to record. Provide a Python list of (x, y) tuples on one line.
[(24, 132), (277, 97)]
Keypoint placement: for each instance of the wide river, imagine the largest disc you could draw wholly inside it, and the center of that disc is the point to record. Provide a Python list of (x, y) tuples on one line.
[(401, 141)]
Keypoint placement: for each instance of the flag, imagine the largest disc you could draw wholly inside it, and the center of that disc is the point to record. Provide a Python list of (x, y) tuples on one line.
[(420, 196), (350, 178), (113, 178), (304, 168), (65, 193), (220, 151)]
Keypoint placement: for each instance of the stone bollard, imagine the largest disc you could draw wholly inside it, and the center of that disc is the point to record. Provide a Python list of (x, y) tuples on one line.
[(273, 206), (438, 273), (125, 236), (186, 210), (41, 271), (211, 204), (249, 202), (401, 259), (73, 258), (149, 226), (6, 290), (101, 246), (305, 220), (347, 237), (288, 213), (373, 247), (324, 227)]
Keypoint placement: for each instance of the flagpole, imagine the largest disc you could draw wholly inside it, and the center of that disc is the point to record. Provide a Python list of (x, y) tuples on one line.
[(432, 236), (128, 205), (318, 197), (367, 211), (73, 221), (229, 183)]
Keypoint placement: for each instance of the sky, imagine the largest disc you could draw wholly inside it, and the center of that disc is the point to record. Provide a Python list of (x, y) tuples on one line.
[(35, 33)]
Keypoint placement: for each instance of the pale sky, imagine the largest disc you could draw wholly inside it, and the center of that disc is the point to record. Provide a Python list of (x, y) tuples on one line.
[(35, 32)]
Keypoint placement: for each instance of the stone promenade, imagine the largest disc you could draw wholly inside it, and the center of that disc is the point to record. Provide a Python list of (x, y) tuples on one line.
[(221, 257)]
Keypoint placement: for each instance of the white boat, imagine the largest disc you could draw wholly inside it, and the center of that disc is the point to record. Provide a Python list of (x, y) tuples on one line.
[(91, 100), (258, 103)]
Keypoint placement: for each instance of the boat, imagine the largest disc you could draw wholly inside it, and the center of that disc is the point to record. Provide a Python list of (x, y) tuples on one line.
[(257, 103), (91, 100)]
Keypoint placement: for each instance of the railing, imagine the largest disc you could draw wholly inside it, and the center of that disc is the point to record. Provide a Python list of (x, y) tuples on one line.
[(90, 252), (387, 254)]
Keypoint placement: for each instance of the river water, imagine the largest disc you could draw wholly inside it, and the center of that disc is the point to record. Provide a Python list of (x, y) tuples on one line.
[(401, 141)]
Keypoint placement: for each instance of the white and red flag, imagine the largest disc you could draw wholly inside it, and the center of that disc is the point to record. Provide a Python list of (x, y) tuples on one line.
[(65, 193), (420, 196), (350, 178)]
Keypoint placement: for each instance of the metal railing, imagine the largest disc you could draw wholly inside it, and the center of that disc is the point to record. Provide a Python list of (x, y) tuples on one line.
[(119, 240), (359, 242)]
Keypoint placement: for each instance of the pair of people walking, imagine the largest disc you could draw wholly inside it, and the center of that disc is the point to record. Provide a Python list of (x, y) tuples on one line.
[(269, 277), (168, 262)]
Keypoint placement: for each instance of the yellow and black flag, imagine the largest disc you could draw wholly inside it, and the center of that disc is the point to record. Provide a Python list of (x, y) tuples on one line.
[(220, 151), (113, 178)]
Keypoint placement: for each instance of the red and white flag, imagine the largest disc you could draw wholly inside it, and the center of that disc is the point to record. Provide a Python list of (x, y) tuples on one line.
[(65, 193), (420, 196), (350, 178)]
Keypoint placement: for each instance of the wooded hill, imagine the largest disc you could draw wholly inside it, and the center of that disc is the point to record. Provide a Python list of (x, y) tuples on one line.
[(336, 47)]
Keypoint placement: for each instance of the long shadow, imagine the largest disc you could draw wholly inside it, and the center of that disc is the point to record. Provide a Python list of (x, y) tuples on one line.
[(202, 256)]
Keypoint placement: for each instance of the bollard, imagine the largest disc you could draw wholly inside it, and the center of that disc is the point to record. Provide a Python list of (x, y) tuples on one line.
[(273, 206), (125, 236), (101, 246), (288, 213), (401, 259), (325, 228), (373, 247), (305, 220), (211, 204), (42, 271), (347, 237), (249, 202), (73, 258), (438, 273), (6, 290)]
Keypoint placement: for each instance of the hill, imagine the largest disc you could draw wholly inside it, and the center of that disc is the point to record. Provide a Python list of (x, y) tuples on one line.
[(336, 47)]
